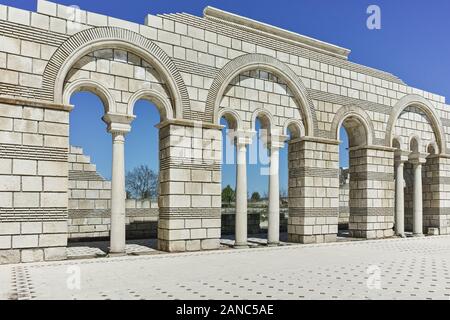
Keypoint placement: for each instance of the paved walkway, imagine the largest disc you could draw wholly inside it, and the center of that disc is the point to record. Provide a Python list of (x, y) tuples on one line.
[(384, 269)]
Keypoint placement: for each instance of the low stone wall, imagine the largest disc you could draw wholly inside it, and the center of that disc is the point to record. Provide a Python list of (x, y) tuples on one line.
[(141, 222), (229, 221)]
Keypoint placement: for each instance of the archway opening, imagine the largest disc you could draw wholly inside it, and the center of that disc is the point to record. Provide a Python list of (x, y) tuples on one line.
[(259, 170), (142, 179), (353, 135), (229, 171), (89, 168)]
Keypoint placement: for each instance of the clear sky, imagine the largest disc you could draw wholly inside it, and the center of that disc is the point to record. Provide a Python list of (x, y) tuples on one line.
[(413, 44)]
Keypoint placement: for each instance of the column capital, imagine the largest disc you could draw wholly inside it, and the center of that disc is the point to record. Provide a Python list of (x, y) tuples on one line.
[(242, 137), (276, 141), (118, 123), (417, 158), (401, 156)]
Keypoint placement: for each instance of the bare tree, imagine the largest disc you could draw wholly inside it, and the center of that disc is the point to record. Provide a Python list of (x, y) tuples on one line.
[(142, 183)]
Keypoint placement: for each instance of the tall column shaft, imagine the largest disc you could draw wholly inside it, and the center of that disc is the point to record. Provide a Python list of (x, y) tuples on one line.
[(400, 200), (418, 210), (273, 237), (118, 194), (241, 196)]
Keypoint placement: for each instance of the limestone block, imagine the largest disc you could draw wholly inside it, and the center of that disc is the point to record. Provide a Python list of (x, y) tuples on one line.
[(53, 168), (24, 167), (9, 183), (55, 227), (55, 184), (210, 244), (193, 245), (6, 199), (193, 223), (32, 255), (20, 63), (26, 199), (55, 254), (198, 233), (5, 242), (40, 21), (9, 228), (201, 201), (5, 166), (31, 183), (52, 240), (31, 227), (54, 200), (24, 241), (9, 256)]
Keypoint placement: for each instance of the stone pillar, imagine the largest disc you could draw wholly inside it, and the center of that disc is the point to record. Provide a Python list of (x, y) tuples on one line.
[(417, 161), (273, 234), (118, 126), (400, 160), (190, 186), (242, 140), (372, 192), (313, 190), (436, 194)]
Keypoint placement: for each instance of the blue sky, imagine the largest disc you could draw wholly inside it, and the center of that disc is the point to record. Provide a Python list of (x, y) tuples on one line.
[(412, 44)]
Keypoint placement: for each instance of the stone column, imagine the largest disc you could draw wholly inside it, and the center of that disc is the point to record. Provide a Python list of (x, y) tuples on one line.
[(118, 126), (400, 199), (273, 235), (417, 161), (242, 140), (313, 190), (118, 194)]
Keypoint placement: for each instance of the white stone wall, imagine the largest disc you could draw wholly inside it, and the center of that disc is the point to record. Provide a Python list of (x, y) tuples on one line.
[(33, 183), (183, 61)]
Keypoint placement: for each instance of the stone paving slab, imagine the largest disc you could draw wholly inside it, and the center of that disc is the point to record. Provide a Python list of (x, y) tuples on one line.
[(408, 269)]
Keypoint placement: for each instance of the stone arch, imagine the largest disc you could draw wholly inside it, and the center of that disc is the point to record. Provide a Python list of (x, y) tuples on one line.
[(397, 142), (414, 143), (357, 113), (232, 117), (252, 61), (425, 106), (91, 86), (265, 117), (432, 148), (94, 39), (295, 126), (159, 99)]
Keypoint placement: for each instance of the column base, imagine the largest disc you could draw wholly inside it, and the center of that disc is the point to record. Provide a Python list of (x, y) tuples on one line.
[(241, 246), (116, 254), (402, 235), (418, 235), (273, 244)]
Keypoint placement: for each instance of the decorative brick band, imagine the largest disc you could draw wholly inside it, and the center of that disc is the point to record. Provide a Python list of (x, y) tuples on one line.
[(373, 176), (32, 153), (23, 32), (196, 68), (32, 214), (386, 211), (189, 213), (313, 172), (85, 175), (189, 163), (313, 212)]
